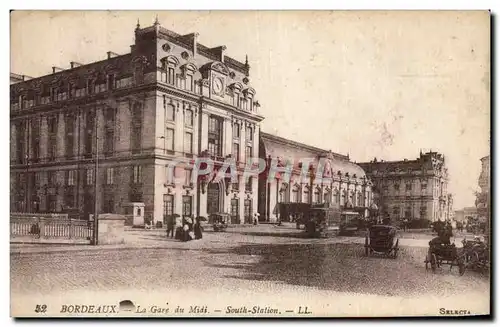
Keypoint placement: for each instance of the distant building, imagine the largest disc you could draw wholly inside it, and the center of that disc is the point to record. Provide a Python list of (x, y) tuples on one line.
[(465, 214), (483, 197), (345, 184), (411, 189)]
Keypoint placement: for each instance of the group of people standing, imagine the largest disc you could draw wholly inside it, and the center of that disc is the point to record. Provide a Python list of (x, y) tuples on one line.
[(184, 228)]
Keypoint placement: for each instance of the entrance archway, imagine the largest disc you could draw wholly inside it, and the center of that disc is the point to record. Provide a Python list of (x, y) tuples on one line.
[(215, 198)]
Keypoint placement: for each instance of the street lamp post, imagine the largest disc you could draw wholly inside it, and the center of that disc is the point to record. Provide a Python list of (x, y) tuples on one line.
[(96, 172), (26, 185)]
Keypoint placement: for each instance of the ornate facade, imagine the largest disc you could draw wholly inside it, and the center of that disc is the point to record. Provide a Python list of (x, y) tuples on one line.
[(170, 98), (344, 184), (483, 197), (412, 189)]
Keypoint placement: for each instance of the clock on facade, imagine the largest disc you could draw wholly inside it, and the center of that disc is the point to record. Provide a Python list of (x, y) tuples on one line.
[(218, 85)]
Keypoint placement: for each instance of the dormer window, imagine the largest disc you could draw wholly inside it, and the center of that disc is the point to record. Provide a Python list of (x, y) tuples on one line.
[(53, 93), (188, 72), (189, 82), (168, 74)]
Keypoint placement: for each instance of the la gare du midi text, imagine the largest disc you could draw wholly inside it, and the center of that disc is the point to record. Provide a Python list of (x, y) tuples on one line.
[(229, 310)]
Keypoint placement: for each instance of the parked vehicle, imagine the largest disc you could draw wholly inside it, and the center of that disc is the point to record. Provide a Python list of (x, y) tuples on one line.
[(350, 222), (477, 256), (382, 239), (321, 220), (445, 254), (220, 221)]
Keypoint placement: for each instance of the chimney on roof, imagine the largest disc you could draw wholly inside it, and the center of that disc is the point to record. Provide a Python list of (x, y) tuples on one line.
[(112, 54), (195, 43), (75, 64), (219, 51), (56, 69), (191, 38)]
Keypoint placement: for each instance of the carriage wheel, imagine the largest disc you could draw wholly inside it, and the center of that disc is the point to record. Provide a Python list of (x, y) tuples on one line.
[(461, 267), (427, 262), (434, 262)]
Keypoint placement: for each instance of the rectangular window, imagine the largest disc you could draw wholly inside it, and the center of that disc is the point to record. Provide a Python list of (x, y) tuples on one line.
[(52, 178), (236, 184), (111, 82), (137, 175), (53, 93), (70, 136), (90, 176), (168, 204), (170, 174), (188, 118), (187, 203), (109, 144), (109, 176), (187, 176), (52, 203), (249, 134), (189, 83), (408, 187), (236, 131), (188, 143), (236, 151), (70, 179), (215, 136), (169, 139), (248, 185), (235, 208), (170, 75), (170, 112), (248, 152)]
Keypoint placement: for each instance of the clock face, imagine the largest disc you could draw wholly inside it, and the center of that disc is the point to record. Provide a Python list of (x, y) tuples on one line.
[(217, 85)]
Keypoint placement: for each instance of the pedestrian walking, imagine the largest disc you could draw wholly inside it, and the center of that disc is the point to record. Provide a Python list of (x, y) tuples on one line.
[(170, 226), (256, 218)]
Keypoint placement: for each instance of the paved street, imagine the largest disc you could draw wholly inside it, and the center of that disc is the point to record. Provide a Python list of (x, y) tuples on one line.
[(249, 260)]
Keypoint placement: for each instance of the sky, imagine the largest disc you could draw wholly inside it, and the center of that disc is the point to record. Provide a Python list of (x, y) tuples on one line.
[(368, 84)]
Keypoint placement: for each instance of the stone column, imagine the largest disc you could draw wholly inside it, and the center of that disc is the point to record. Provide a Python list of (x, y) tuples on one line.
[(243, 141), (241, 198), (228, 137), (196, 131), (100, 132), (179, 129), (255, 144), (44, 138), (125, 108), (13, 141), (204, 132), (61, 136)]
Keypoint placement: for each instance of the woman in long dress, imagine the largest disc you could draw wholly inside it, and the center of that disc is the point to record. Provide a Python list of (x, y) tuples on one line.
[(198, 234)]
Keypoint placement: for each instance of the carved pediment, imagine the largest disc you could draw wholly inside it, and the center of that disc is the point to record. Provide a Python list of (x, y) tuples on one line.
[(170, 60), (220, 67)]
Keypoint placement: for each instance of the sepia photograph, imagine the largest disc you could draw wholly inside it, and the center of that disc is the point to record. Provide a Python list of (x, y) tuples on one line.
[(250, 164)]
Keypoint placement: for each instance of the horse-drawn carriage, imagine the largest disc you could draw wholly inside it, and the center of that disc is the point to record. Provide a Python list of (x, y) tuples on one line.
[(445, 254), (476, 252), (382, 239), (220, 221)]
